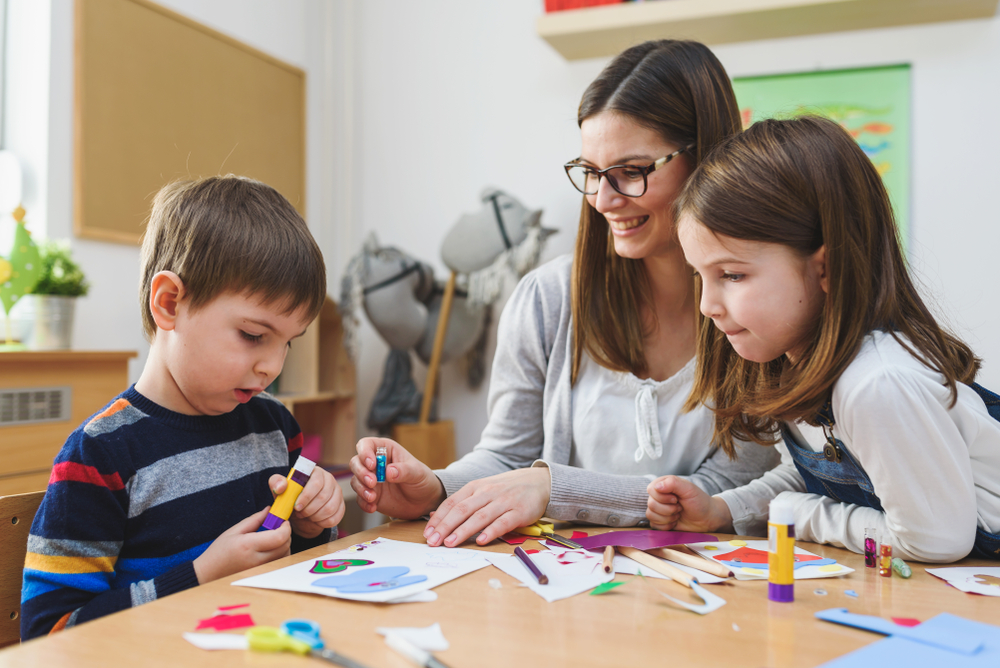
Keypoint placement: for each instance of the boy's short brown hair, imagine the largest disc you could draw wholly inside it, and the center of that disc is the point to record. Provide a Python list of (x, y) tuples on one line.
[(231, 234)]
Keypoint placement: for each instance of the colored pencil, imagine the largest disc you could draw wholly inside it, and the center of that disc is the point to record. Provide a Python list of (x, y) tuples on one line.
[(526, 560)]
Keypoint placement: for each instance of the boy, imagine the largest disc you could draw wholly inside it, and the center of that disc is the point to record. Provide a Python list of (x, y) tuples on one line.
[(166, 487)]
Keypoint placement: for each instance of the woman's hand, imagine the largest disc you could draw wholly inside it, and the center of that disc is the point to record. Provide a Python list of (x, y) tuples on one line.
[(678, 504), (410, 489), (494, 506)]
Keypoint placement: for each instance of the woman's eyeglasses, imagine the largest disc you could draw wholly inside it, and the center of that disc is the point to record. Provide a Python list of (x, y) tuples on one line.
[(628, 180)]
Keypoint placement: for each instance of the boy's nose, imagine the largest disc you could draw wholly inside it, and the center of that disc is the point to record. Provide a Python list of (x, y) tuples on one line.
[(270, 365)]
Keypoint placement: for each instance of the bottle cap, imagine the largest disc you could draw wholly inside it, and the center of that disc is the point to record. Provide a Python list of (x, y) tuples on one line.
[(304, 465), (781, 511)]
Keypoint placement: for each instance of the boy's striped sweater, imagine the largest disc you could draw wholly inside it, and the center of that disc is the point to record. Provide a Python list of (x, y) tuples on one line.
[(137, 493)]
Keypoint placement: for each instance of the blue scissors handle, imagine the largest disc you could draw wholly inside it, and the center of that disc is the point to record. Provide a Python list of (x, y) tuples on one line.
[(305, 630)]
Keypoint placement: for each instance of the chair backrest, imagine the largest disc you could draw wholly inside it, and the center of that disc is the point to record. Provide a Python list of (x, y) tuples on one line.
[(16, 513)]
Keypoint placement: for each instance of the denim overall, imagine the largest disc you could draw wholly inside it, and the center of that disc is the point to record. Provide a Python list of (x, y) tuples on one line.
[(836, 474)]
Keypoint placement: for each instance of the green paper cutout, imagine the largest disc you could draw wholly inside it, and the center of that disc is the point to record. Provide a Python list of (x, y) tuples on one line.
[(604, 587), (23, 267)]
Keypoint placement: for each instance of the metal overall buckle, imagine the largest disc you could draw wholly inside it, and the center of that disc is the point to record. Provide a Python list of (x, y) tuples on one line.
[(831, 451)]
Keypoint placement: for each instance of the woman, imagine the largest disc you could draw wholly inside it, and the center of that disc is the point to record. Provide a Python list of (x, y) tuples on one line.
[(595, 353)]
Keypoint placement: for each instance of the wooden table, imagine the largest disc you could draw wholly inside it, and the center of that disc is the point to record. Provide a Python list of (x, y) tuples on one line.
[(630, 626)]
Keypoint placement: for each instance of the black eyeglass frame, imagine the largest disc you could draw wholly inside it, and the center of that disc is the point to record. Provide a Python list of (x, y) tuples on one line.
[(645, 171)]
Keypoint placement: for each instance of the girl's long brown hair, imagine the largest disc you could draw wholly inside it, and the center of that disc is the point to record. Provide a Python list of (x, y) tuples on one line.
[(805, 183), (680, 90)]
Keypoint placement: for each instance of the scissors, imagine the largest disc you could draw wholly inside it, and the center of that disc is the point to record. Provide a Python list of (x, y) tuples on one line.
[(271, 639), (547, 530)]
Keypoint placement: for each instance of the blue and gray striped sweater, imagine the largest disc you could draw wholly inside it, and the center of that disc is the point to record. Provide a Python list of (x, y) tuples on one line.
[(137, 493)]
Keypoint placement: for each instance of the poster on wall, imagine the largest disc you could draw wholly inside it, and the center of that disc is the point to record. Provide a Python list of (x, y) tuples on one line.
[(872, 104)]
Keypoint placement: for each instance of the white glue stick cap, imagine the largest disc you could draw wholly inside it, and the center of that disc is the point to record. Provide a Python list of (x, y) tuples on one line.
[(304, 465), (781, 512)]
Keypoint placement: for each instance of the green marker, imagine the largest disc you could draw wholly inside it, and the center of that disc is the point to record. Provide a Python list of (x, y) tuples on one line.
[(902, 570)]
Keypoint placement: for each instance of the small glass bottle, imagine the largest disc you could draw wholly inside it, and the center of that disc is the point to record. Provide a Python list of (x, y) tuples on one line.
[(885, 560), (870, 550), (380, 457)]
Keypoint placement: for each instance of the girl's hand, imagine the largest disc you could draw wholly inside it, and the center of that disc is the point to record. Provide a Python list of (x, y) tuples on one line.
[(240, 547), (320, 504), (494, 506), (410, 489), (678, 504)]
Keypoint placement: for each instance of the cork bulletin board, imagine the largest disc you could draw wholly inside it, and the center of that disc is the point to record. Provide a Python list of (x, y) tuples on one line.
[(161, 97)]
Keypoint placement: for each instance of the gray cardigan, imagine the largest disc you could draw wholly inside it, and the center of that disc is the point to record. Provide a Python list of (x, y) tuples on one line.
[(530, 415)]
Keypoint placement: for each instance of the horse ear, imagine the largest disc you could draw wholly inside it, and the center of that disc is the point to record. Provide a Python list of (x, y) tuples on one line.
[(489, 192)]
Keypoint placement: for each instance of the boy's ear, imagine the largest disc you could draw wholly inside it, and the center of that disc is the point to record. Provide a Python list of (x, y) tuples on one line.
[(164, 297), (818, 260)]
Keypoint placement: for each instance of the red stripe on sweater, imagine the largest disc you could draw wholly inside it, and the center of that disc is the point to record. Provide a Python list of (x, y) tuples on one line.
[(82, 473), (295, 442)]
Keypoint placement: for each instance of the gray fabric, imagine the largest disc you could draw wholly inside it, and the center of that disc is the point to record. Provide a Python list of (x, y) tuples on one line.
[(143, 591), (190, 472), (531, 415), (64, 547)]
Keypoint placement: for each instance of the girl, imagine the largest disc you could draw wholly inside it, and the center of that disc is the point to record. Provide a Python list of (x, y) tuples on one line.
[(817, 336), (595, 352)]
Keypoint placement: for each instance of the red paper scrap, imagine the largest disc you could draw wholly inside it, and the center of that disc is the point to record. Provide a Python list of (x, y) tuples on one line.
[(514, 538), (906, 621), (226, 622), (578, 534), (233, 607), (531, 551)]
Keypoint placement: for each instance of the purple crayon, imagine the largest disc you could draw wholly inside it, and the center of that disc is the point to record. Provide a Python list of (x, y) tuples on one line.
[(284, 503)]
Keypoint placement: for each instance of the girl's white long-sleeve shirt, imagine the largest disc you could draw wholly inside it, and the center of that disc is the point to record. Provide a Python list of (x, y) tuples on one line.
[(935, 467)]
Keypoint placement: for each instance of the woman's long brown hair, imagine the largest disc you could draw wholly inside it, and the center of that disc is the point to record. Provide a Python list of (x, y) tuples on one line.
[(805, 183), (680, 90)]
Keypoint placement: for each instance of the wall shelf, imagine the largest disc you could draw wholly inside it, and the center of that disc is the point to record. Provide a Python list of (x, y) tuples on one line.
[(607, 30)]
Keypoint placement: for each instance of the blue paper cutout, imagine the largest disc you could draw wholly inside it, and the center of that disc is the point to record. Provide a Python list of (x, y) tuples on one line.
[(370, 580)]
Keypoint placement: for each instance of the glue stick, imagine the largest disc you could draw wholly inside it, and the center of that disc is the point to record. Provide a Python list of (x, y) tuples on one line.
[(380, 456), (781, 552), (284, 503)]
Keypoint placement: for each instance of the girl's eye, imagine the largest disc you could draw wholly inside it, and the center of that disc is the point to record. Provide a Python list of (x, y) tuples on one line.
[(726, 276), (252, 338)]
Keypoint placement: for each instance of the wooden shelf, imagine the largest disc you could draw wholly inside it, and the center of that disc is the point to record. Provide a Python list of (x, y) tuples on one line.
[(607, 30), (317, 385)]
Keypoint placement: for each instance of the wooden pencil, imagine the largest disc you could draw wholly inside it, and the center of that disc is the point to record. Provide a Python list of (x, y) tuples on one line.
[(609, 557), (659, 565), (694, 561)]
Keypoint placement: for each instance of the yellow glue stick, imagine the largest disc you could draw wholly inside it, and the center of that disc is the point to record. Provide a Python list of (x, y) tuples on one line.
[(781, 552), (284, 503)]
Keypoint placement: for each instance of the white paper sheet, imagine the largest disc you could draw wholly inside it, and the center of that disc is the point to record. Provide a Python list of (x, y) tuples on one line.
[(217, 640), (429, 638), (583, 573), (964, 579), (711, 601), (437, 564), (759, 571)]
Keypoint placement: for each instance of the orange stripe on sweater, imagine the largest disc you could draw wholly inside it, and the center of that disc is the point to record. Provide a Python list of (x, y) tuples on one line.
[(112, 409), (61, 624)]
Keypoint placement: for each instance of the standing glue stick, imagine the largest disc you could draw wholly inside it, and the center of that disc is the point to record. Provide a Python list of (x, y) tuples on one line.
[(284, 503), (781, 552), (380, 459)]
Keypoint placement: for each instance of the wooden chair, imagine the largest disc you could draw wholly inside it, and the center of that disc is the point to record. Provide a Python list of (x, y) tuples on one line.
[(16, 514)]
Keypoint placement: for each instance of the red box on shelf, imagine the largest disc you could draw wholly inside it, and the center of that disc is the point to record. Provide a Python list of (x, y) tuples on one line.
[(562, 5)]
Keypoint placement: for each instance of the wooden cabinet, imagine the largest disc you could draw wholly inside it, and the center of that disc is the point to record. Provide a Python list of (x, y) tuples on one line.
[(317, 385), (28, 446), (607, 30)]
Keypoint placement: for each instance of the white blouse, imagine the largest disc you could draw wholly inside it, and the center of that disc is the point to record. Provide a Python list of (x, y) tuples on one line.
[(626, 425)]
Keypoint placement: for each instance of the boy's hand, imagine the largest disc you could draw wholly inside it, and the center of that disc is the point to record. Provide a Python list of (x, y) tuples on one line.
[(410, 489), (240, 547), (320, 504), (678, 504)]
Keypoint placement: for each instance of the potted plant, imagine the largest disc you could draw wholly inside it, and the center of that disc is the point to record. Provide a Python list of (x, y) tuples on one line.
[(52, 302)]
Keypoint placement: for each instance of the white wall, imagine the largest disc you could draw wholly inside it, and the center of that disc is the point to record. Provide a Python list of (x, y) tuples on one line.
[(469, 95), (299, 32), (415, 106)]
